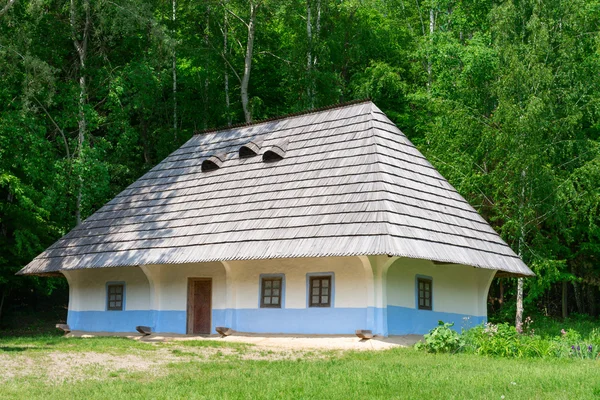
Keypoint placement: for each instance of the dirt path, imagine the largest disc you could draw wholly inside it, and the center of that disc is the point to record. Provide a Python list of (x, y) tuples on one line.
[(285, 342), (314, 342), (60, 365)]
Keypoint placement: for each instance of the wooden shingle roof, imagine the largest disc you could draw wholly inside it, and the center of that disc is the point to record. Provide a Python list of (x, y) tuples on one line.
[(348, 183)]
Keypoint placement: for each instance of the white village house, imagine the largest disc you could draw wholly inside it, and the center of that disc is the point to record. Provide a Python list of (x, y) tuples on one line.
[(319, 223)]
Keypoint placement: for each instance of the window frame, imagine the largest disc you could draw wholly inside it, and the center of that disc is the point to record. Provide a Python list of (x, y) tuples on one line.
[(264, 288), (123, 291), (261, 290), (427, 280), (310, 278)]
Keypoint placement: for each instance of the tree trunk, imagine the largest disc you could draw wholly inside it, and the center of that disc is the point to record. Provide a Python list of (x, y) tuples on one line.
[(7, 7), (565, 292), (318, 25), (174, 72), (519, 316), (309, 63), (248, 63), (205, 96), (429, 63), (591, 299), (578, 299), (2, 303), (346, 56), (227, 101), (145, 141), (81, 48)]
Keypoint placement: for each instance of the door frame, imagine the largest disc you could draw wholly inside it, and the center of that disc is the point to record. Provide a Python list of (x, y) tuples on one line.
[(190, 306)]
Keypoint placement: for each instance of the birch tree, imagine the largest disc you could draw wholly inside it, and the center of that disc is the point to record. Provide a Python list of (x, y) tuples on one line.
[(174, 69), (244, 79), (251, 25), (311, 57), (225, 31), (80, 32), (7, 7)]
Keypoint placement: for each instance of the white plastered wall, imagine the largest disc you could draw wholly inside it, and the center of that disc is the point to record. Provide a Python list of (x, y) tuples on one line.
[(87, 288), (164, 287), (350, 285), (169, 284), (456, 288)]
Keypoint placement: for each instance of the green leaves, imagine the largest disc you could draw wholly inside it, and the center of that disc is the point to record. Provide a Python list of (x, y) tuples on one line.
[(441, 339), (502, 97)]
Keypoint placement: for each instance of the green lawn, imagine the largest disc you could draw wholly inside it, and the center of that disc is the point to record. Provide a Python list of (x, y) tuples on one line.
[(99, 368)]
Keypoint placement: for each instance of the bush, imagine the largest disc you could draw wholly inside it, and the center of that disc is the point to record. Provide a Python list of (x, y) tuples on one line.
[(441, 339), (493, 340), (503, 340)]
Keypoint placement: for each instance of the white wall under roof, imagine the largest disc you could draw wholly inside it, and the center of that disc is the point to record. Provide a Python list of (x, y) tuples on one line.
[(365, 297), (349, 275), (171, 284), (87, 288), (456, 288)]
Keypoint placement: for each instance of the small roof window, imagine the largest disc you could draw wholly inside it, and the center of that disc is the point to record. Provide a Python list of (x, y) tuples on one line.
[(276, 152), (213, 163), (251, 148)]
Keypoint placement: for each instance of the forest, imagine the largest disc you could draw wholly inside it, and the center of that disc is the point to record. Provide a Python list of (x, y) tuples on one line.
[(503, 97)]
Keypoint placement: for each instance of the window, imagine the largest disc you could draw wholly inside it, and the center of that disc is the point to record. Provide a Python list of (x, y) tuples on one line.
[(250, 149), (271, 292), (246, 152), (319, 291), (276, 151), (212, 163), (115, 297), (424, 293)]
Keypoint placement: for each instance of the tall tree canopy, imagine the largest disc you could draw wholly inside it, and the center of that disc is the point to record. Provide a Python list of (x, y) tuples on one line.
[(503, 97)]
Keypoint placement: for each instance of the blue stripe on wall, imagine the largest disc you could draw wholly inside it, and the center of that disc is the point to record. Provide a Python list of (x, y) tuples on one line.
[(400, 320), (405, 321), (301, 321), (325, 321), (126, 321), (109, 321)]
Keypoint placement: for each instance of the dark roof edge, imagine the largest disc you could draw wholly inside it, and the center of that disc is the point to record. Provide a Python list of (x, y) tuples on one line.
[(286, 116)]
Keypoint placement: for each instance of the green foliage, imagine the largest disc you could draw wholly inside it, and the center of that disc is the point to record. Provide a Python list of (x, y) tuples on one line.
[(441, 339), (503, 340), (503, 97)]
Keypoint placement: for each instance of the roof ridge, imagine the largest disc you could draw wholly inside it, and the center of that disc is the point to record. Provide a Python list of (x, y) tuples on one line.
[(285, 116)]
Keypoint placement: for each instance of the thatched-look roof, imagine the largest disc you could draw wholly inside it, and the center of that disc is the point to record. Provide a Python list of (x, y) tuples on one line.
[(339, 182)]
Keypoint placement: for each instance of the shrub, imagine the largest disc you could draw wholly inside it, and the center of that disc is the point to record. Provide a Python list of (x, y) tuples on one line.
[(493, 340), (503, 340), (441, 339), (538, 347)]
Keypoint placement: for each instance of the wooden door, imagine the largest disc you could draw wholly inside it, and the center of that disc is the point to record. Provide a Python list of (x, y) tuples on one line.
[(199, 305)]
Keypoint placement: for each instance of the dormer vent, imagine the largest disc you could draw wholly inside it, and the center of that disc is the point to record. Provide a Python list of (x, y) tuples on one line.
[(250, 149), (276, 151), (213, 162)]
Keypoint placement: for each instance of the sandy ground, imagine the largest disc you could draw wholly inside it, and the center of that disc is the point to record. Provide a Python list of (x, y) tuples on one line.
[(282, 342), (61, 366)]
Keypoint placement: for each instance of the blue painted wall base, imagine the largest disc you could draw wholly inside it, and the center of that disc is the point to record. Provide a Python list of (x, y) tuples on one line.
[(392, 320), (406, 321)]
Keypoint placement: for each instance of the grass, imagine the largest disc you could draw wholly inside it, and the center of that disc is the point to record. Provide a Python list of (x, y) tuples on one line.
[(47, 342), (549, 327), (397, 373)]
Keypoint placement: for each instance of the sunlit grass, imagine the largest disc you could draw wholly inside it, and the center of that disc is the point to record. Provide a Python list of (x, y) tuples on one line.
[(397, 373), (42, 343)]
